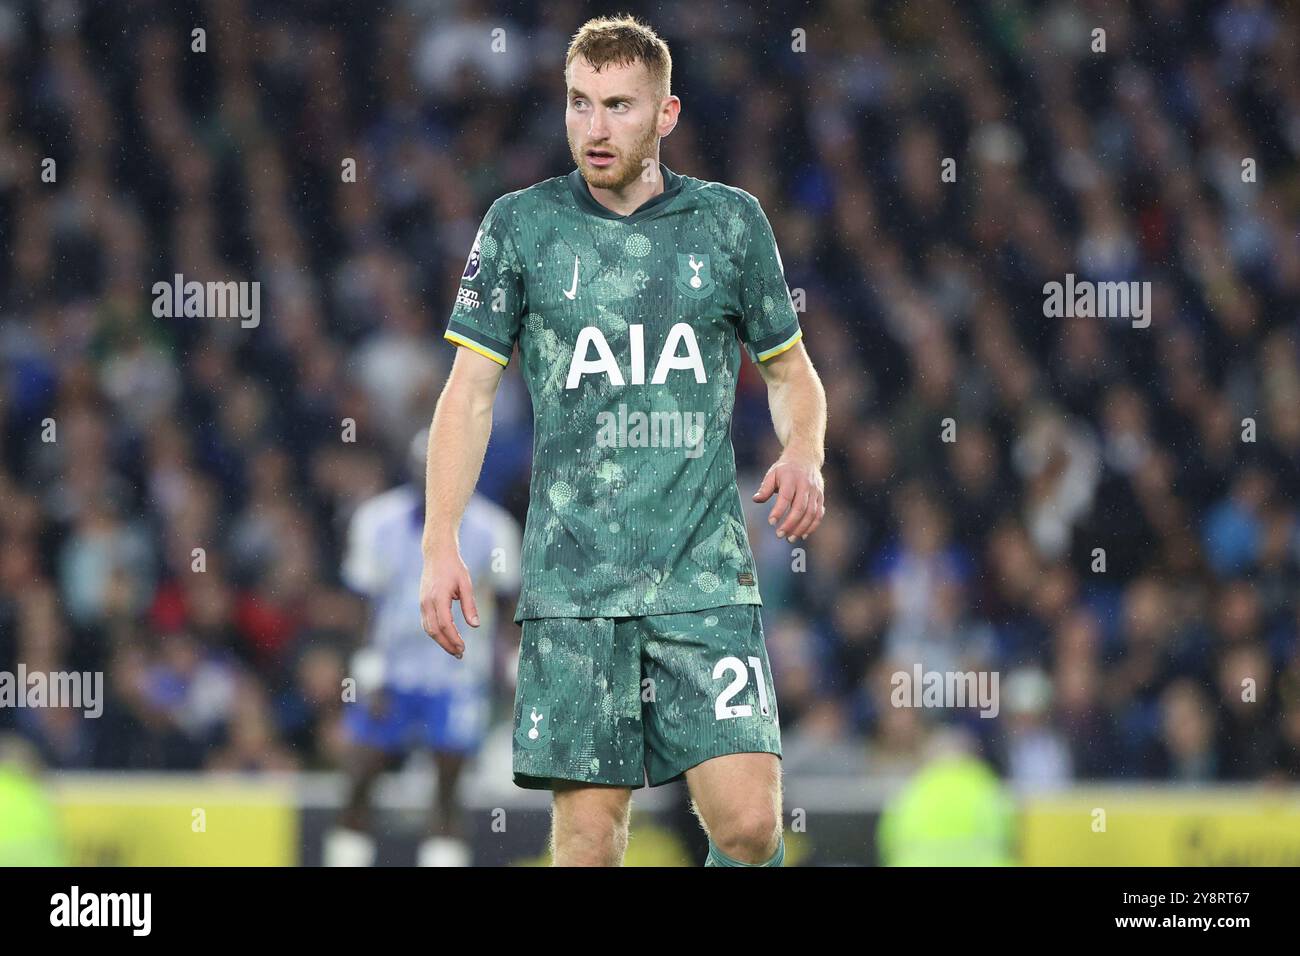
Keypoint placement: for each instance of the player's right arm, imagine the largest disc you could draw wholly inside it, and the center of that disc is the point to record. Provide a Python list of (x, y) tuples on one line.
[(484, 324), (458, 439)]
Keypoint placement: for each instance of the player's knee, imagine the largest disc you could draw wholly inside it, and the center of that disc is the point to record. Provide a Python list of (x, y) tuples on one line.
[(750, 835), (592, 842), (594, 834)]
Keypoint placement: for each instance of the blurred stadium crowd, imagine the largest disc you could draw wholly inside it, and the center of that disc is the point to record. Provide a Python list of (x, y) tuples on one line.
[(924, 302)]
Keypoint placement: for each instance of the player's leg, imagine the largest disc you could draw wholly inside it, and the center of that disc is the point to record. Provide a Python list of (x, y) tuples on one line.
[(364, 766), (589, 824), (374, 725), (738, 800), (349, 842), (578, 731), (455, 722), (446, 843), (713, 718), (446, 817), (683, 820)]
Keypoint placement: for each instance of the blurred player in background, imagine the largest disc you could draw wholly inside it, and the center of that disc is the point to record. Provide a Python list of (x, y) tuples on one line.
[(411, 694), (29, 820), (627, 287), (954, 811)]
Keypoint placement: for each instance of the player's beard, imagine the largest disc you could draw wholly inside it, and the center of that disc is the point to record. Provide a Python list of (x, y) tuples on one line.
[(626, 168)]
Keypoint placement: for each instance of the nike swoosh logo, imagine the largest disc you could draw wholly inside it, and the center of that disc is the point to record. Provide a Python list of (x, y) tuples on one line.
[(570, 293)]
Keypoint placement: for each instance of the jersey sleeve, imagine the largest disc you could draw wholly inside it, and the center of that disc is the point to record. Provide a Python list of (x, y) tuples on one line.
[(769, 324), (490, 303)]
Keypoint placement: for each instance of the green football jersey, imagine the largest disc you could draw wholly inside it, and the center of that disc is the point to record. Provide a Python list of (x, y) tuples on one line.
[(628, 330)]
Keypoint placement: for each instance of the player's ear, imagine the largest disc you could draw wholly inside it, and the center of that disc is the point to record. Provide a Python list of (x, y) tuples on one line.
[(669, 111)]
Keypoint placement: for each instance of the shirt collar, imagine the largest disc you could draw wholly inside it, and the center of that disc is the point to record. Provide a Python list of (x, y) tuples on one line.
[(586, 201)]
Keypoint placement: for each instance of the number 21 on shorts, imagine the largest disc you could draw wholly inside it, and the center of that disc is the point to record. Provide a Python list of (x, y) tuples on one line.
[(722, 707)]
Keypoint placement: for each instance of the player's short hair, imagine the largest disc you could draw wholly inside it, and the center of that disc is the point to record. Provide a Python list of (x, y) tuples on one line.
[(622, 41)]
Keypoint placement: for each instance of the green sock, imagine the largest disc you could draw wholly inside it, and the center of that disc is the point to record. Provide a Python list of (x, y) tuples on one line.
[(718, 858)]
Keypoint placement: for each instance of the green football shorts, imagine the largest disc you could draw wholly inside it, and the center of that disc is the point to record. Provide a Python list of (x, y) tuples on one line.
[(622, 700)]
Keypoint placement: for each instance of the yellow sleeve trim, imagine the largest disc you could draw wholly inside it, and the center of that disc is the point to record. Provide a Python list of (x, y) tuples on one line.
[(475, 347), (783, 347)]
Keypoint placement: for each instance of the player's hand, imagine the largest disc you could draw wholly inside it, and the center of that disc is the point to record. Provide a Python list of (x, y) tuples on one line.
[(800, 497), (444, 579)]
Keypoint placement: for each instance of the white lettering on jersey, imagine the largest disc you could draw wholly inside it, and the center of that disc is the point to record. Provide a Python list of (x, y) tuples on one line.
[(580, 366), (668, 358), (605, 362)]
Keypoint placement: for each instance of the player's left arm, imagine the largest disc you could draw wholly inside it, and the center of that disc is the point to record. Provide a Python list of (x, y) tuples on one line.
[(769, 327), (798, 404)]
